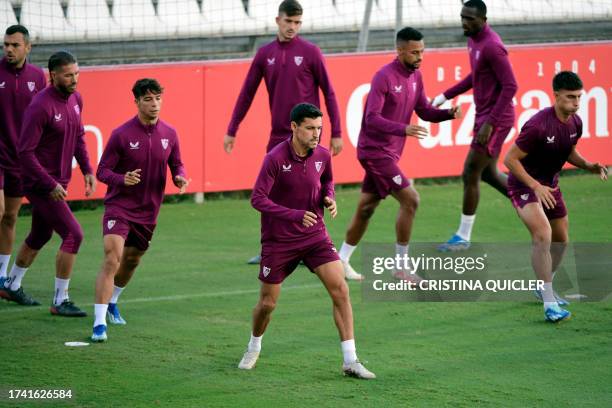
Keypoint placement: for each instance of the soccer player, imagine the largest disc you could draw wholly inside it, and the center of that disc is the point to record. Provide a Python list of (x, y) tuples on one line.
[(293, 187), (133, 165), (51, 135), (546, 142), (287, 63), (19, 82), (397, 90), (494, 87)]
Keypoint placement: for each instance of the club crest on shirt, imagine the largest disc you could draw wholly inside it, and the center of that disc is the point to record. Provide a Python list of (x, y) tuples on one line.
[(31, 86), (550, 139), (271, 61), (77, 109), (286, 168), (318, 166), (397, 88), (397, 179), (525, 197), (134, 145), (298, 60), (110, 224), (164, 143), (58, 117), (266, 271), (2, 85)]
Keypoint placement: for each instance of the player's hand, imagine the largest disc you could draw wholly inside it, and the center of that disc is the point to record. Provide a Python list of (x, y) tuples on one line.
[(228, 143), (438, 100), (597, 168), (484, 133), (131, 178), (331, 206), (182, 183), (90, 184), (309, 219), (58, 193), (544, 194), (455, 112), (416, 131), (335, 145)]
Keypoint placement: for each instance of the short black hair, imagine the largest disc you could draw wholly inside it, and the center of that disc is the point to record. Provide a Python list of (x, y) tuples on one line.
[(145, 85), (290, 8), (61, 59), (18, 28), (478, 5), (408, 34), (566, 80), (302, 111)]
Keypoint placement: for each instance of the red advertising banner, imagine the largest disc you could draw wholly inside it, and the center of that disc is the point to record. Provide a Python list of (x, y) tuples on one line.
[(199, 99)]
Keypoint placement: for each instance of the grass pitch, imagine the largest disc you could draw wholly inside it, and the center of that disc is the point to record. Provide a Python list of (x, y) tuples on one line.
[(189, 308)]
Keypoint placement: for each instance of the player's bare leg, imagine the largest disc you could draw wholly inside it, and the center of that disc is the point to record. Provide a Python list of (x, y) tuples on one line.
[(331, 274), (268, 296), (539, 227), (356, 229)]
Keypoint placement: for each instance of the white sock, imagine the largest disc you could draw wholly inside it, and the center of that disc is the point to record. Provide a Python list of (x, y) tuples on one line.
[(4, 263), (349, 352), (465, 227), (548, 295), (255, 343), (14, 278), (402, 250), (100, 313), (346, 251), (61, 291), (116, 292)]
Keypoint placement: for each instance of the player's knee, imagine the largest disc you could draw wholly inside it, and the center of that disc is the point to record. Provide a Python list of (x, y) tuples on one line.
[(366, 211), (111, 261), (411, 203), (71, 242), (8, 220), (340, 293), (542, 236), (131, 261), (267, 304)]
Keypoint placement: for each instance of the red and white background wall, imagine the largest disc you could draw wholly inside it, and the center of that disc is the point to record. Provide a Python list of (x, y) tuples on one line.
[(199, 98)]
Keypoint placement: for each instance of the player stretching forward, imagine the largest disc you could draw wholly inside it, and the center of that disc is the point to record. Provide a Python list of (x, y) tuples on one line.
[(51, 135), (293, 186), (133, 166), (397, 90), (494, 87), (545, 143), (287, 63), (19, 81)]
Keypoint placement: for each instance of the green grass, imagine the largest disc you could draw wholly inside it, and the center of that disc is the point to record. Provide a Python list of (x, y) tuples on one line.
[(189, 305)]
